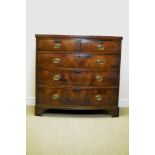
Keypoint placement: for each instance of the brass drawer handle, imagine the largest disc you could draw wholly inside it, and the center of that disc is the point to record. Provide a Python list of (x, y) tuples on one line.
[(57, 45), (56, 60), (98, 97), (99, 77), (100, 62), (100, 47), (56, 77), (55, 96)]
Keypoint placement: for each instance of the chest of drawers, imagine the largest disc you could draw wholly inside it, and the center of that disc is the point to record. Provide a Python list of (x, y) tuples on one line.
[(77, 73)]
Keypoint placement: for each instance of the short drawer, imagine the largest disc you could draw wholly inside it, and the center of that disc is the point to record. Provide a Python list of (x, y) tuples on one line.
[(78, 77), (48, 44), (101, 46), (77, 97), (49, 60)]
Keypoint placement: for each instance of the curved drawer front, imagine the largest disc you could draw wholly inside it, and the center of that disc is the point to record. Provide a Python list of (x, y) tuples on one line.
[(74, 96), (48, 44), (99, 61), (47, 60), (50, 60), (78, 77), (101, 46)]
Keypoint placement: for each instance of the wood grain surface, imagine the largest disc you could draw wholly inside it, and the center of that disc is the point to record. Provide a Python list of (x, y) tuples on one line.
[(77, 72)]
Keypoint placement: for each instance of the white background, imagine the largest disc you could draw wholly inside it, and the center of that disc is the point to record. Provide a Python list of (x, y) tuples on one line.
[(85, 17), (13, 77)]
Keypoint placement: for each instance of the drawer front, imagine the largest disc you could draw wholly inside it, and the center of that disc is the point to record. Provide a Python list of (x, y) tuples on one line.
[(48, 44), (99, 61), (99, 46), (57, 60), (80, 77), (77, 61), (76, 97)]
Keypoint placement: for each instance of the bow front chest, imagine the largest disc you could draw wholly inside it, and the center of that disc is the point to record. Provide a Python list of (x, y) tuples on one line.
[(77, 73)]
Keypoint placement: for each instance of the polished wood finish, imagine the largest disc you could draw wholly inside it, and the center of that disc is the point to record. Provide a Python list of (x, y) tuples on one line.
[(65, 60), (109, 47), (48, 44), (107, 61), (77, 96), (53, 36), (46, 60), (77, 77), (77, 73)]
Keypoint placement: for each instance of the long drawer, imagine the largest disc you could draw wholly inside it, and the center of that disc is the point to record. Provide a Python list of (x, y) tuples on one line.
[(75, 77), (51, 60), (49, 96)]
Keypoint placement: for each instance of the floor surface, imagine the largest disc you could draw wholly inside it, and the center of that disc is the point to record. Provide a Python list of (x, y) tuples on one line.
[(77, 134)]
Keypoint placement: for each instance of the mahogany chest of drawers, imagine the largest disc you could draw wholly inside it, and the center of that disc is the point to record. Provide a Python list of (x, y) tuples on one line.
[(77, 73)]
